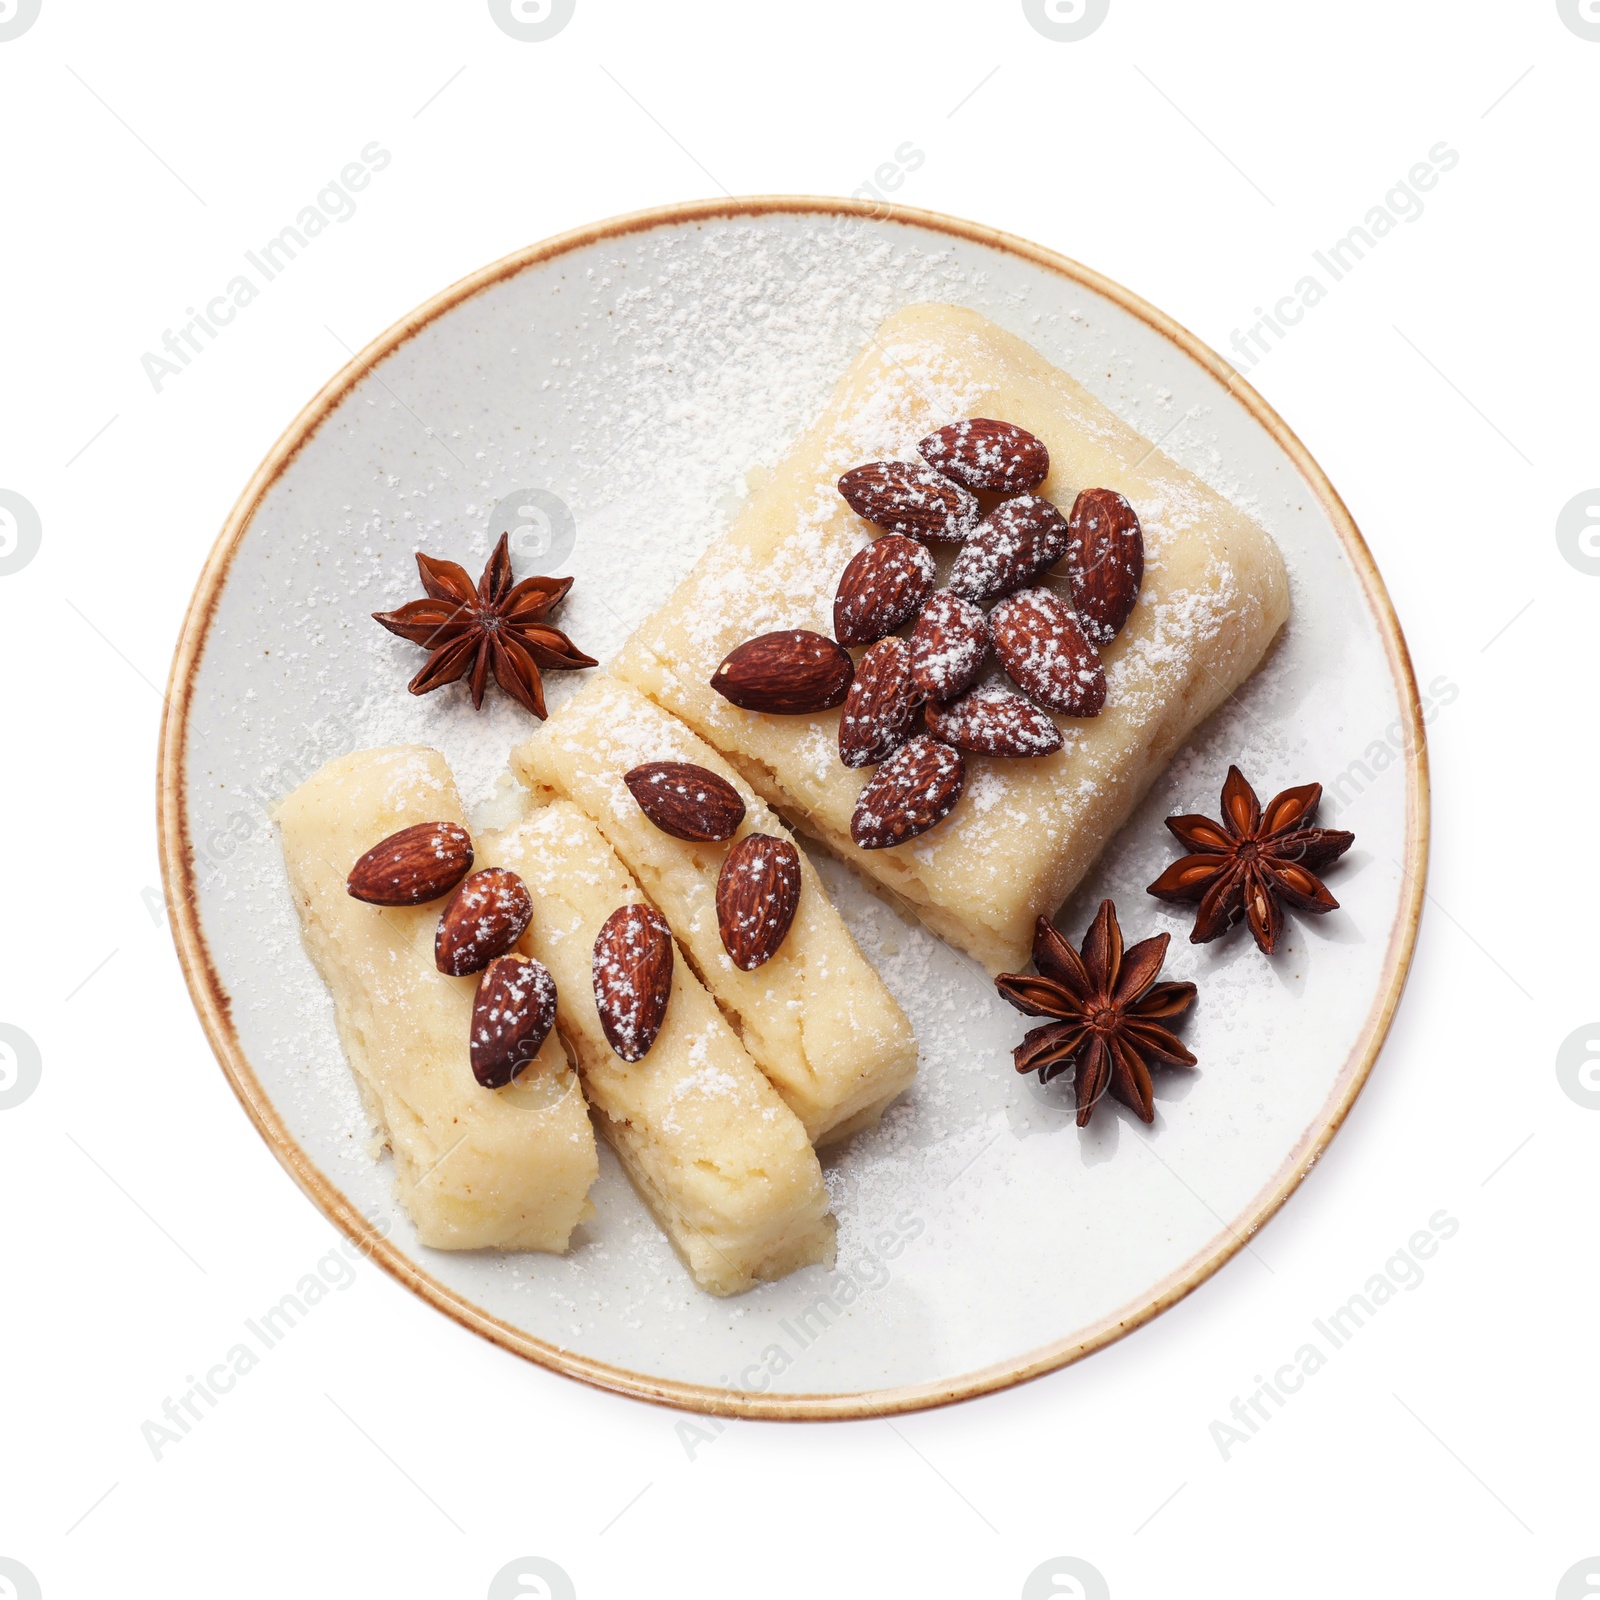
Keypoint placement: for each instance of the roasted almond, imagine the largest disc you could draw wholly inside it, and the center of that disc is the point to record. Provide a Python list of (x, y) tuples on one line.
[(512, 1016), (907, 497), (881, 708), (413, 866), (917, 787), (686, 801), (1015, 545), (882, 587), (758, 892), (994, 722), (632, 968), (485, 917), (1046, 653), (949, 646), (984, 454), (1105, 560), (792, 673)]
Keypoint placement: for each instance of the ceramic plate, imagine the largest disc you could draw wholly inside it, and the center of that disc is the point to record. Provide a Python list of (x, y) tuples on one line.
[(606, 397)]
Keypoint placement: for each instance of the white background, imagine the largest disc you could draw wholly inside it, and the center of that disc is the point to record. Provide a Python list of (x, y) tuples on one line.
[(380, 1449)]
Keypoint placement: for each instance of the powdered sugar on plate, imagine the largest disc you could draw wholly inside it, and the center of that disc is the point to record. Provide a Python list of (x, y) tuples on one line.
[(639, 382)]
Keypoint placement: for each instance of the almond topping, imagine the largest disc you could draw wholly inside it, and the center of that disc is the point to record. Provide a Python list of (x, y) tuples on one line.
[(907, 497), (413, 866), (1105, 559), (1046, 653), (882, 587), (632, 968), (485, 917), (790, 673), (758, 893), (687, 801), (994, 722), (881, 709), (512, 1016), (913, 790), (985, 454), (949, 646), (1015, 545)]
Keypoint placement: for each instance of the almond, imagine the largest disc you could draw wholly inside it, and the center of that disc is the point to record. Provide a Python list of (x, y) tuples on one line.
[(632, 968), (512, 1016), (913, 790), (907, 497), (881, 708), (984, 454), (1015, 545), (882, 587), (758, 892), (1046, 653), (994, 722), (485, 917), (792, 673), (686, 801), (1105, 559), (949, 645), (413, 866)]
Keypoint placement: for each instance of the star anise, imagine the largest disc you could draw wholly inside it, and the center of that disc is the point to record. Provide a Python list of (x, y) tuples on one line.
[(1252, 863), (1111, 1012), (498, 624)]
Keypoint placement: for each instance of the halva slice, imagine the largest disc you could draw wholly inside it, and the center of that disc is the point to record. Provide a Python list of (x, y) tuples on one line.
[(816, 1017), (476, 1168), (721, 1161), (1025, 831)]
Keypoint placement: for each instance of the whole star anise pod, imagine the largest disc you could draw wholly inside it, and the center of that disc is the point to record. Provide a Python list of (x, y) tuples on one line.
[(1252, 863), (498, 624), (1111, 1012)]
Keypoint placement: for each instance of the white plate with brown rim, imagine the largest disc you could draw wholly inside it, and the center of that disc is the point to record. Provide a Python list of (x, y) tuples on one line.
[(606, 397)]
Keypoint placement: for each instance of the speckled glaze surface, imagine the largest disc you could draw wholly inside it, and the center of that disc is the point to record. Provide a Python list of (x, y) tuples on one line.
[(607, 394)]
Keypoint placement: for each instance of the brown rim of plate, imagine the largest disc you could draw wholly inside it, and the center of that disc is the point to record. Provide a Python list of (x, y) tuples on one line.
[(213, 1004)]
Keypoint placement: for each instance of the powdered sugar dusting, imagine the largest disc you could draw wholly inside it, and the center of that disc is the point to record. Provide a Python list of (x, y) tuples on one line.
[(640, 381)]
